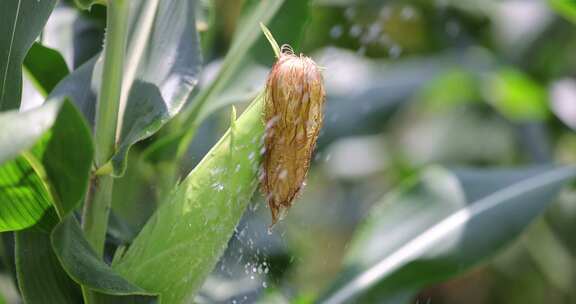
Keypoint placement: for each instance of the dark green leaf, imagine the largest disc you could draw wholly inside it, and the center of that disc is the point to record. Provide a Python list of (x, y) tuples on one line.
[(442, 225), (45, 66), (287, 25), (199, 216), (7, 252), (83, 265), (21, 21), (68, 173), (40, 277)]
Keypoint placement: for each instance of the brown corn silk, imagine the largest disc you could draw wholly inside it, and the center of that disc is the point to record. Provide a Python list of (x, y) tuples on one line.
[(294, 101)]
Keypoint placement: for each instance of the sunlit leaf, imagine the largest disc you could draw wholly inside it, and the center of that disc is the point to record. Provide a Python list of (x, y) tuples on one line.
[(43, 173), (451, 88), (27, 195), (516, 96), (199, 216), (566, 8), (37, 170), (24, 194)]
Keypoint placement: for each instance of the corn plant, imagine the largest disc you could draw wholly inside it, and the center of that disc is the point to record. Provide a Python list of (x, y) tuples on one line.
[(135, 107)]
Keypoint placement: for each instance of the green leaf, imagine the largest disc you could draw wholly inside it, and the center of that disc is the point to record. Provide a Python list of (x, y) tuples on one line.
[(190, 230), (27, 195), (21, 130), (516, 96), (163, 60), (245, 37), (78, 88), (44, 172), (183, 127), (83, 265), (271, 40), (438, 227), (287, 26), (24, 195), (450, 89), (566, 8), (550, 256), (45, 66), (21, 22), (40, 277), (68, 173)]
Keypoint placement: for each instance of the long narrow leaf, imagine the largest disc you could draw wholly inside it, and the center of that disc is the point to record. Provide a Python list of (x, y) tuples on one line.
[(40, 172), (21, 21), (83, 265), (441, 226), (183, 127), (40, 277), (190, 230), (163, 61)]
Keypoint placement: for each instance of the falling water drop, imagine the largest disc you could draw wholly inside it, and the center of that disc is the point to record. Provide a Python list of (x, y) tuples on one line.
[(336, 31)]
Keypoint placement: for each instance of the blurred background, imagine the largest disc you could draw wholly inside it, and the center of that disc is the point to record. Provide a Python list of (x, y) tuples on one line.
[(410, 83)]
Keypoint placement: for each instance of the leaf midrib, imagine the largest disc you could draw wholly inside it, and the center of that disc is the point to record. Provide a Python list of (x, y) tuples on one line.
[(9, 53), (431, 235), (134, 54)]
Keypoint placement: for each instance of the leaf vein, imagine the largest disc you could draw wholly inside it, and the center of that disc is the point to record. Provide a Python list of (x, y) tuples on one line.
[(9, 53)]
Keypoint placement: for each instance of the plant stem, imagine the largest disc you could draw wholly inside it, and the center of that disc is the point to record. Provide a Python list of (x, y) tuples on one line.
[(98, 203), (96, 211), (111, 87)]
